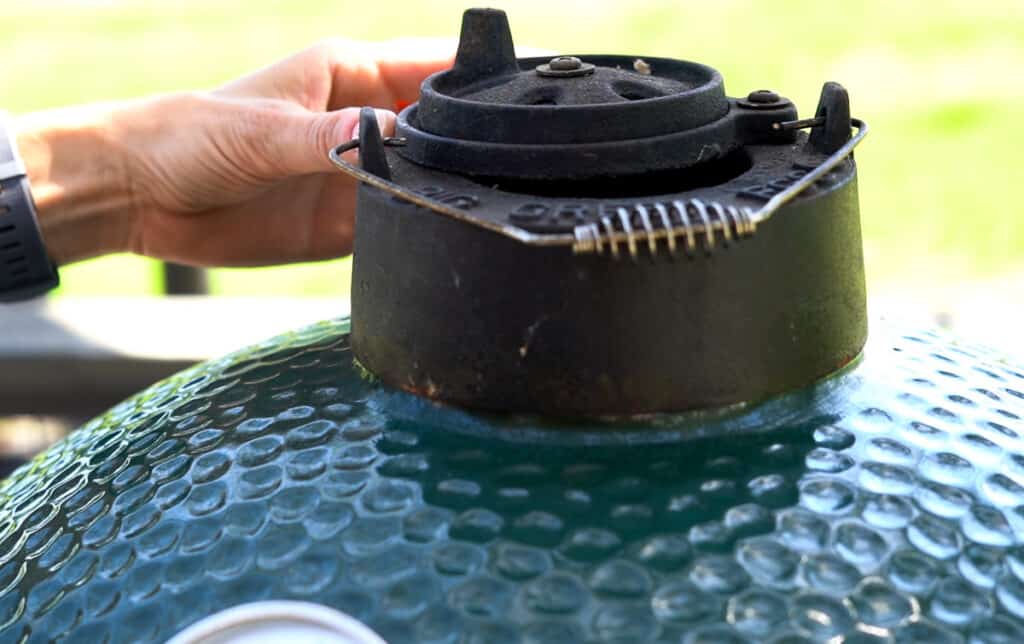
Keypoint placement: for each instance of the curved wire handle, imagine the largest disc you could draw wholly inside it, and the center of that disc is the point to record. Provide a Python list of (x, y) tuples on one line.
[(696, 218), (416, 198)]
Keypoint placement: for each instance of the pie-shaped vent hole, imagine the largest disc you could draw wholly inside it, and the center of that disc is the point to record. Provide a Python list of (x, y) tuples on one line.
[(636, 91), (541, 96)]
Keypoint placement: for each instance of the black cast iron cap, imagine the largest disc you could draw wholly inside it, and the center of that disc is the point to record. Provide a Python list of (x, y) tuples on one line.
[(488, 95), (570, 117), (489, 229)]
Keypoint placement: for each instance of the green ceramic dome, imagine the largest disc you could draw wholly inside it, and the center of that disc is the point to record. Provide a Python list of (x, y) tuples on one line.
[(884, 504)]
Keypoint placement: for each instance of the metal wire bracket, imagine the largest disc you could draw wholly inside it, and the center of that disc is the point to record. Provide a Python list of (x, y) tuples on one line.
[(686, 224)]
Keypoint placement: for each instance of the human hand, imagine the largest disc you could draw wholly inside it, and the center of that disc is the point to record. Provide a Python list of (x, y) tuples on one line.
[(231, 177)]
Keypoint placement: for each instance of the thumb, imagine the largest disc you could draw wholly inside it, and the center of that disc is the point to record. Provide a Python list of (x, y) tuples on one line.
[(302, 147)]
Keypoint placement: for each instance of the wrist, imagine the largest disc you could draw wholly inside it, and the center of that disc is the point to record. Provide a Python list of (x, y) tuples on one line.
[(77, 170)]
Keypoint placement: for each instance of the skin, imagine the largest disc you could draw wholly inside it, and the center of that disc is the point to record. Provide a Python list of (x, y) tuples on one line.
[(236, 176)]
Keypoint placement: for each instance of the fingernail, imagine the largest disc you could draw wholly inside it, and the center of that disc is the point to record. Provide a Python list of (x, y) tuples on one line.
[(383, 117)]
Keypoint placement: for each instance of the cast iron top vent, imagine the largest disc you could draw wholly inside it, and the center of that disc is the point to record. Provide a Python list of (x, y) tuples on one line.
[(604, 235)]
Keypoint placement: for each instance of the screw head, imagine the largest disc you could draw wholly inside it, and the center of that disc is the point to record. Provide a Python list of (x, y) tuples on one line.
[(763, 96), (565, 63), (565, 67)]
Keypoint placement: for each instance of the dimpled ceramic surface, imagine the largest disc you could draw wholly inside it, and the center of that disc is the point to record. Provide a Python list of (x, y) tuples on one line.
[(884, 505)]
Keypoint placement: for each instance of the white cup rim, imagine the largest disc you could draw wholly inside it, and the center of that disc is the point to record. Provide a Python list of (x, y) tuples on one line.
[(278, 613)]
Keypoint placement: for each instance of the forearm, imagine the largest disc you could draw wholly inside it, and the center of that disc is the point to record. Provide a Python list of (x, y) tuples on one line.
[(78, 171)]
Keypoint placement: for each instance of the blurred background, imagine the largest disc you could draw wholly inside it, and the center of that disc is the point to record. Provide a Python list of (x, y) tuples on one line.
[(939, 81)]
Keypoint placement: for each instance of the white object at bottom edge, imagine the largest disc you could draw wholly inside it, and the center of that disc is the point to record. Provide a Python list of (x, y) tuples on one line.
[(272, 622)]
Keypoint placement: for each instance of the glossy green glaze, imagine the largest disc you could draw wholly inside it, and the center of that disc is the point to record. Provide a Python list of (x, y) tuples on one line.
[(886, 504)]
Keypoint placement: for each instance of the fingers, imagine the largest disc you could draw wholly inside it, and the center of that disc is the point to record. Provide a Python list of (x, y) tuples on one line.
[(385, 75), (389, 74), (403, 64), (301, 146), (298, 78), (340, 73)]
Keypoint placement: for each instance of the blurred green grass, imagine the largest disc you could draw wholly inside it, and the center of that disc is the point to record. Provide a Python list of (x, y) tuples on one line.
[(939, 82)]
